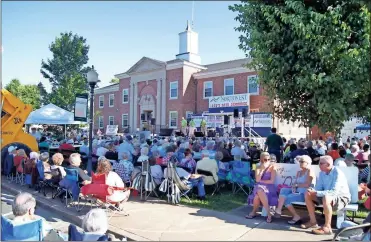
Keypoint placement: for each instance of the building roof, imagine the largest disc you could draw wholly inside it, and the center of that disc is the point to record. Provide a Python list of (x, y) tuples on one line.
[(226, 65), (107, 87)]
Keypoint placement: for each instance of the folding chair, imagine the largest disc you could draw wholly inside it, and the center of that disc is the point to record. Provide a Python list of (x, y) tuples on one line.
[(75, 235), (144, 181), (173, 186), (361, 231), (98, 192), (30, 231), (71, 188), (209, 174), (43, 183), (240, 177), (9, 168)]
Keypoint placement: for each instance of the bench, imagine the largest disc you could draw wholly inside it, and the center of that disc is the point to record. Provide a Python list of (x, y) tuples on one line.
[(351, 173)]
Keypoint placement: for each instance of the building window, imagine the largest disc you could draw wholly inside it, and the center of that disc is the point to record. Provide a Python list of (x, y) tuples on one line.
[(101, 101), (173, 119), (208, 89), (189, 114), (174, 90), (125, 120), (252, 83), (111, 120), (125, 95), (229, 86), (100, 121), (111, 100)]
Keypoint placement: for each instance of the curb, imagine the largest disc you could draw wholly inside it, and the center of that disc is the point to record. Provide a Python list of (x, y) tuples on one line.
[(44, 203)]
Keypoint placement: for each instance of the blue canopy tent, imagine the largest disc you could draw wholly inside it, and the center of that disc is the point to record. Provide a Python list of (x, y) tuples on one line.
[(363, 127)]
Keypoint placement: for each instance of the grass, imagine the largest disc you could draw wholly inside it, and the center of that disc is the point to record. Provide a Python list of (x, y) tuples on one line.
[(223, 202)]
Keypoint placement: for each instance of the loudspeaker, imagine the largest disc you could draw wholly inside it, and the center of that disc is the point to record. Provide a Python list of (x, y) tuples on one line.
[(142, 117), (153, 121), (166, 132), (244, 112), (179, 133), (211, 133), (226, 119), (198, 134), (235, 113)]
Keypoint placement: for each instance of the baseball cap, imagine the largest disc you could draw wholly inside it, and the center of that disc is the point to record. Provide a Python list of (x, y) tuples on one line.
[(11, 148)]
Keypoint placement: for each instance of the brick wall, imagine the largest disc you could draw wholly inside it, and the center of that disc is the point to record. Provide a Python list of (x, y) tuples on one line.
[(174, 104)]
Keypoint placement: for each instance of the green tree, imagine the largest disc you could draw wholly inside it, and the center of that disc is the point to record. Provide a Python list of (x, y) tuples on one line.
[(313, 57), (29, 94), (66, 70), (44, 96), (114, 80)]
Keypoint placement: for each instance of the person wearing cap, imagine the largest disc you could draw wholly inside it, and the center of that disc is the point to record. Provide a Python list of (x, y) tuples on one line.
[(8, 163), (35, 133)]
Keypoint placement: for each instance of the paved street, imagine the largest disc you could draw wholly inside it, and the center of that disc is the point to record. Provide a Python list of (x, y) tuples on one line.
[(57, 221)]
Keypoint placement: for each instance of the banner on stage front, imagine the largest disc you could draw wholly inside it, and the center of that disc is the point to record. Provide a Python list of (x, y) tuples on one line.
[(81, 107)]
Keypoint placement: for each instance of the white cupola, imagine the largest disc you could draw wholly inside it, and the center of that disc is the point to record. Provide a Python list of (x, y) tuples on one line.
[(188, 46)]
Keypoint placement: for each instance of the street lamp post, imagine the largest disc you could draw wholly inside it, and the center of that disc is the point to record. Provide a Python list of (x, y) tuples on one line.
[(92, 77)]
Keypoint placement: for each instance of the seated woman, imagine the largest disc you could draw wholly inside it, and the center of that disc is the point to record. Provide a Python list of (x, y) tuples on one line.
[(188, 162), (114, 180), (111, 154), (21, 156), (44, 158), (264, 192), (304, 179), (58, 159), (124, 168), (95, 226), (143, 154), (43, 145), (223, 167)]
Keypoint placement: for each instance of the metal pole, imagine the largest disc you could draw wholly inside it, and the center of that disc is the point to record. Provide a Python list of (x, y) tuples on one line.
[(90, 158), (242, 127)]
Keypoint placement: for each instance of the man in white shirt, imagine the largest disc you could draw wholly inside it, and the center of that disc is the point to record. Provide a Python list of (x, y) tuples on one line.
[(35, 133)]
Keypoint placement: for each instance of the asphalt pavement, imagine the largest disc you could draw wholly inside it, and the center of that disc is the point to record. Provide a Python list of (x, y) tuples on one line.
[(58, 222)]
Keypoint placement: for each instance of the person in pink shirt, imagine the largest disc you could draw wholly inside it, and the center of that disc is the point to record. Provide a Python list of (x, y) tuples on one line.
[(363, 155)]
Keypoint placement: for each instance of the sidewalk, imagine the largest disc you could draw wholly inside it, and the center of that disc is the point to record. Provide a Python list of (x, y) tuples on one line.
[(155, 220)]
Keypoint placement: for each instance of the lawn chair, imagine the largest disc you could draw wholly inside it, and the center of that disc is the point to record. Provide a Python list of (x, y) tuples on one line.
[(9, 168), (43, 184), (362, 232), (144, 181), (31, 231), (70, 187), (98, 192), (209, 174), (75, 235), (173, 186), (240, 177), (20, 177)]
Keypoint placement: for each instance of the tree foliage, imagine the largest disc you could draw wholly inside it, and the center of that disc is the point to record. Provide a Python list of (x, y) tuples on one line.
[(66, 70), (29, 94), (313, 57), (44, 96), (114, 80)]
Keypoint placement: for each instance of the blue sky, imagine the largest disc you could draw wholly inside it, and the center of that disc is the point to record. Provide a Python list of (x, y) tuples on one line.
[(119, 33)]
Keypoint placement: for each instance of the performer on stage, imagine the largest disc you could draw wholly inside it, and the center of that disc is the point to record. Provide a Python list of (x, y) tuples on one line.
[(184, 126), (203, 127), (192, 126)]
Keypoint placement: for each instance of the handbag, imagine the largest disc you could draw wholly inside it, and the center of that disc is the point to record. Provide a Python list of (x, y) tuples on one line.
[(284, 185)]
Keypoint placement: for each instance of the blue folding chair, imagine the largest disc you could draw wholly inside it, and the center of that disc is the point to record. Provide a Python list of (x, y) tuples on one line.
[(71, 188), (240, 177), (75, 235), (30, 231)]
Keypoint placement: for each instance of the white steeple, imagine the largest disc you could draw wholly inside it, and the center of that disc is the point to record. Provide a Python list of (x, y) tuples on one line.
[(188, 45)]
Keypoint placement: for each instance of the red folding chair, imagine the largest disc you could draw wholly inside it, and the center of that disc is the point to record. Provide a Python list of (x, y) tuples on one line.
[(98, 192)]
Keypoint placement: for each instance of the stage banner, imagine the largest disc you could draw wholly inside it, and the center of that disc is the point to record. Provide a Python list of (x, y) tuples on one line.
[(228, 103), (112, 129), (81, 107)]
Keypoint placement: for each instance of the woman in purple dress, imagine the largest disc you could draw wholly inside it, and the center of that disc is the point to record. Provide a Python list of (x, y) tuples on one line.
[(265, 192)]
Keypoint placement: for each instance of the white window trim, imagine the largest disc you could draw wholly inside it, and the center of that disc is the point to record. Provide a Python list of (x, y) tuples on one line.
[(257, 87), (99, 121), (224, 85), (177, 119), (109, 120), (122, 120), (101, 97), (212, 89), (123, 90), (109, 99), (177, 90)]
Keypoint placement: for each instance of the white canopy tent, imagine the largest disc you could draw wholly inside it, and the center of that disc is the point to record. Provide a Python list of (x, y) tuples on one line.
[(51, 114)]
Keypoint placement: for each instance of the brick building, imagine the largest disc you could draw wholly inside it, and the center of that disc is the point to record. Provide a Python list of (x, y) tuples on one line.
[(170, 90)]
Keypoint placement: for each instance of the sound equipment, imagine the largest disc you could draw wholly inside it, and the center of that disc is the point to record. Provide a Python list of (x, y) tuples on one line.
[(211, 133), (179, 133), (244, 112), (198, 134), (166, 132), (226, 119), (235, 113), (142, 117), (153, 121)]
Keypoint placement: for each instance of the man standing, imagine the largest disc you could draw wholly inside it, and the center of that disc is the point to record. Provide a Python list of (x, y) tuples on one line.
[(184, 126), (35, 133), (274, 144), (192, 126), (203, 127)]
